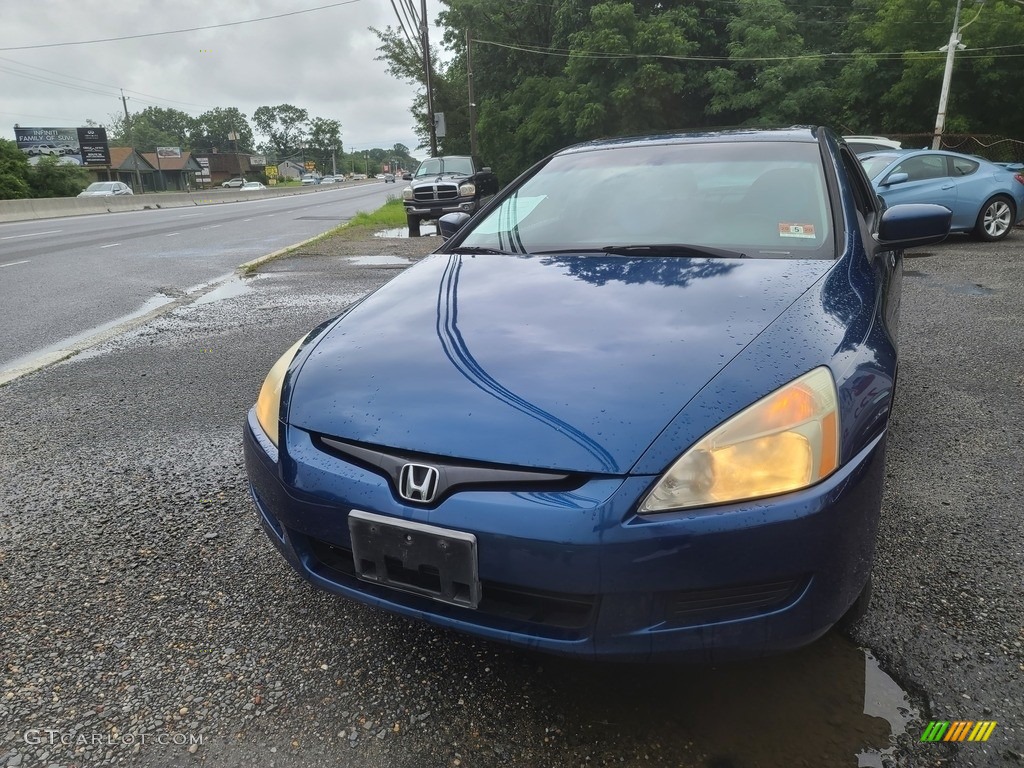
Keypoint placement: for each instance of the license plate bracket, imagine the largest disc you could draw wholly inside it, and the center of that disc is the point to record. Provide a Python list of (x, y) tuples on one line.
[(438, 563)]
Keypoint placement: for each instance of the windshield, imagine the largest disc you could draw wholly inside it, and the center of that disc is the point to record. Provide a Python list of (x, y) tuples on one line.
[(875, 164), (760, 199), (100, 186), (436, 166)]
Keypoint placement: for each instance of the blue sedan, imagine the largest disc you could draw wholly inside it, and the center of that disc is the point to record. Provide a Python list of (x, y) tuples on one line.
[(986, 199), (635, 408)]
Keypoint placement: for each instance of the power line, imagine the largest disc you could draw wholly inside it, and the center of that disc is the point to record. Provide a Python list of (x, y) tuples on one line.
[(91, 82), (178, 31), (598, 55)]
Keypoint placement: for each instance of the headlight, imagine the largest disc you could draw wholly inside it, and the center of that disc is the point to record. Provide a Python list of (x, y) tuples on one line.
[(785, 441), (268, 404), (467, 190), (407, 193)]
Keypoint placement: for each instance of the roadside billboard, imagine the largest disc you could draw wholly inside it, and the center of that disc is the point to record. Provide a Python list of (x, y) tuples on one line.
[(168, 151), (71, 146)]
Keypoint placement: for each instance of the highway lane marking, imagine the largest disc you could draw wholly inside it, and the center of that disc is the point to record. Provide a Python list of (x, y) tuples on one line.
[(212, 226), (14, 263), (112, 245), (188, 215), (172, 234), (33, 234)]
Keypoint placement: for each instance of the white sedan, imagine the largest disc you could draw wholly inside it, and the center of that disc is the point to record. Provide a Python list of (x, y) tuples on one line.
[(251, 186)]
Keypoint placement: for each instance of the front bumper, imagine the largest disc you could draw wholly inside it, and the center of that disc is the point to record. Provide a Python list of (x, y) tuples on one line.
[(577, 573), (434, 211)]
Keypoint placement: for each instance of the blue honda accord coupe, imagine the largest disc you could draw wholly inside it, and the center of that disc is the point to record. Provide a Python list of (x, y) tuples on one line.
[(635, 408)]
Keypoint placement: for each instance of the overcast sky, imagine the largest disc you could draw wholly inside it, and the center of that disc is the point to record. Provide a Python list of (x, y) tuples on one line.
[(322, 61)]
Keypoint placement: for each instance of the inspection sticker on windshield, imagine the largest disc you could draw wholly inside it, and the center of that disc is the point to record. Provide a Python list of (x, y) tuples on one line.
[(793, 229)]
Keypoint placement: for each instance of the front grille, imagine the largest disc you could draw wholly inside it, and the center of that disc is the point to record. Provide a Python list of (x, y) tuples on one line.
[(706, 606), (550, 614), (431, 193)]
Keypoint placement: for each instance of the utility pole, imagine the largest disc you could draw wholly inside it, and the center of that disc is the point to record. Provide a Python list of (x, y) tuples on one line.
[(951, 49), (472, 103), (131, 142), (426, 71)]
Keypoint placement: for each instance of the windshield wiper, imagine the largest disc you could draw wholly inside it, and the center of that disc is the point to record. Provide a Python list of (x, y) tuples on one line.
[(656, 249), (673, 249), (481, 249)]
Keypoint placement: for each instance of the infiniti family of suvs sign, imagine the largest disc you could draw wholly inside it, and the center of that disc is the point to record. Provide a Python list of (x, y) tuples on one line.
[(72, 146)]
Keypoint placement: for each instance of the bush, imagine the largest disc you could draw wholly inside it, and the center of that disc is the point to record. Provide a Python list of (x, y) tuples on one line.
[(14, 170), (49, 178)]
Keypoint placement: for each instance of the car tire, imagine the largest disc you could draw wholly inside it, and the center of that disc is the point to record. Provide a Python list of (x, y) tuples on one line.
[(414, 225), (995, 219), (857, 611)]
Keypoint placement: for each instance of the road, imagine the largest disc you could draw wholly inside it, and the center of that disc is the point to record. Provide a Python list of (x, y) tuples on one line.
[(140, 600), (60, 278)]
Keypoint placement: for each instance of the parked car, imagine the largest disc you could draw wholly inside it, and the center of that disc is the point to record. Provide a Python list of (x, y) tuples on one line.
[(615, 419), (253, 186), (358, 177), (310, 178), (445, 185), (238, 182), (861, 144), (986, 198), (106, 189), (43, 149), (328, 180)]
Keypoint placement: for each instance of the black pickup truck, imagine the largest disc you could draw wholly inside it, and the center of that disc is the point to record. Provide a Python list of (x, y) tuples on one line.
[(447, 184)]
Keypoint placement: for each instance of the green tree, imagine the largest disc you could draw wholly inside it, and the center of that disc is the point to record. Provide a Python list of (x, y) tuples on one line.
[(286, 126), (893, 82), (774, 78), (213, 127), (51, 178), (151, 128), (630, 74), (14, 172), (324, 141)]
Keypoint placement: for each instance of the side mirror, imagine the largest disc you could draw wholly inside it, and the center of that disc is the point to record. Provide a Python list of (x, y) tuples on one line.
[(486, 169), (912, 225), (406, 177), (896, 178), (451, 223)]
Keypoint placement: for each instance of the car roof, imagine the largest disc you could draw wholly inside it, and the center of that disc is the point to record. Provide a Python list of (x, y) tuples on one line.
[(802, 134)]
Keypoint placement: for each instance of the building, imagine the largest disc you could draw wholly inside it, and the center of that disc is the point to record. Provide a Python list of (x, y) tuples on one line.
[(174, 173)]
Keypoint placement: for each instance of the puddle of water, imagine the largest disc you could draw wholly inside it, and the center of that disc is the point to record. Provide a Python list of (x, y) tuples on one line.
[(425, 231), (235, 286), (379, 261), (826, 705)]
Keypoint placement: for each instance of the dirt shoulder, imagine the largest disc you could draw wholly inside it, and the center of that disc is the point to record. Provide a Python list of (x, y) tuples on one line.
[(365, 241)]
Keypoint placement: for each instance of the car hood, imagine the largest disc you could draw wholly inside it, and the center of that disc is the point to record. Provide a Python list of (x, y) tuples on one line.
[(562, 362)]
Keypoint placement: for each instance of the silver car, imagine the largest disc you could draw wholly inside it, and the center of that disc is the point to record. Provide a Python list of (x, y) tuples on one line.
[(106, 189)]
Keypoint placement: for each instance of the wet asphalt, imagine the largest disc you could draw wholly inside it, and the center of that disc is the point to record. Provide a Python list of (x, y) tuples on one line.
[(146, 621)]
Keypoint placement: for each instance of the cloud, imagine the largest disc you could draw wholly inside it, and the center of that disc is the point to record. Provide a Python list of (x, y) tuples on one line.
[(323, 61)]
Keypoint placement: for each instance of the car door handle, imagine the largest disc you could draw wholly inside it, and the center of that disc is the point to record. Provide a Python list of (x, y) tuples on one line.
[(948, 186)]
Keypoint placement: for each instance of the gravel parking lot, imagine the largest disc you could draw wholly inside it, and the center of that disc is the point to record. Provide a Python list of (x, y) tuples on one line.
[(146, 621)]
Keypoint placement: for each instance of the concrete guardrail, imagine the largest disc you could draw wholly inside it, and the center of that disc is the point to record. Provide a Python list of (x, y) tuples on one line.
[(54, 207)]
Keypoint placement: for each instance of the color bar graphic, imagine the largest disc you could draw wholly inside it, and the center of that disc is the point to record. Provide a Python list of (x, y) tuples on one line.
[(958, 730)]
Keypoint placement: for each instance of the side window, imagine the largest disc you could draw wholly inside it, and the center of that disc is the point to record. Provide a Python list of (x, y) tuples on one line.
[(863, 195), (923, 167), (964, 167)]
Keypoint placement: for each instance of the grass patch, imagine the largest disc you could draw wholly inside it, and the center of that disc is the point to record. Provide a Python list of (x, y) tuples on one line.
[(391, 215)]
